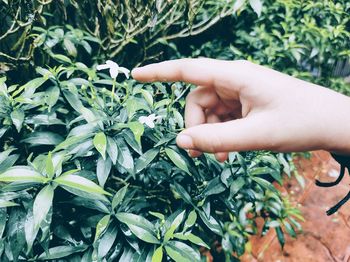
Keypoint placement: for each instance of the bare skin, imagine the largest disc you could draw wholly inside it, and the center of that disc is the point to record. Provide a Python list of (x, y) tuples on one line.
[(240, 106)]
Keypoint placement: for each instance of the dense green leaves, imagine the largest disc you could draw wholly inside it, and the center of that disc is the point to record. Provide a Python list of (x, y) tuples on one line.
[(84, 178)]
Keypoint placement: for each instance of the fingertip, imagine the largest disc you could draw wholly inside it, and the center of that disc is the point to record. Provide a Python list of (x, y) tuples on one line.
[(221, 157), (195, 153), (136, 73), (184, 141)]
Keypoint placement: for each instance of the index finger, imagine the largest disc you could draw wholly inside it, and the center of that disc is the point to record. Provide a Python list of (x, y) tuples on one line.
[(198, 71)]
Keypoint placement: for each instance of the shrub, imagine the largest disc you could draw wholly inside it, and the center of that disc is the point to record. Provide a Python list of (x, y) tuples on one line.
[(90, 171), (306, 39), (129, 30)]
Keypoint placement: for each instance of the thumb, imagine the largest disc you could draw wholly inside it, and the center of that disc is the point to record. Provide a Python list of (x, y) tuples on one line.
[(236, 135)]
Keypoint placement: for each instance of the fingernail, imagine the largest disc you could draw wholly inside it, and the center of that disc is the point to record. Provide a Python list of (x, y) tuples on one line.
[(184, 141)]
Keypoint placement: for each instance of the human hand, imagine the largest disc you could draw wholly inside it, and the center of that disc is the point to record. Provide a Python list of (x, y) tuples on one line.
[(240, 106)]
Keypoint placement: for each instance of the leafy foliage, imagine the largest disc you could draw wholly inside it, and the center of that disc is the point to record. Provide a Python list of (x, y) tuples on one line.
[(82, 179), (306, 39), (89, 168)]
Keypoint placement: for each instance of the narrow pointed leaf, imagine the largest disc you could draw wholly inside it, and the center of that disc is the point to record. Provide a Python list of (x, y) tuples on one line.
[(81, 183), (17, 118), (158, 255), (42, 205), (119, 196), (22, 174), (177, 159), (100, 143), (146, 159)]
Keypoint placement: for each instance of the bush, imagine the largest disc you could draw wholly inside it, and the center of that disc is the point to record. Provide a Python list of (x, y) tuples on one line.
[(89, 169), (89, 174), (306, 39)]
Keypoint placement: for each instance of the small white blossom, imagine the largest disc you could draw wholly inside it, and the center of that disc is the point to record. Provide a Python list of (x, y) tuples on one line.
[(149, 120), (114, 69)]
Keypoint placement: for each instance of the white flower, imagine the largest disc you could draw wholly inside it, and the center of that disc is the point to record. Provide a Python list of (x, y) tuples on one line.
[(149, 120), (114, 69)]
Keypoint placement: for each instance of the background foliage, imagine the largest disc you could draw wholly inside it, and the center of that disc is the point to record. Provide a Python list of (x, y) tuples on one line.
[(82, 179)]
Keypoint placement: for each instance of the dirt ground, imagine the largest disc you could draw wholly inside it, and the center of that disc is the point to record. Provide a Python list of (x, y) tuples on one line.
[(324, 238)]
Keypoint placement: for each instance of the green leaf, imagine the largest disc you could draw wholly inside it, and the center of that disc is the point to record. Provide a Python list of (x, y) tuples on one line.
[(143, 234), (238, 5), (264, 183), (197, 240), (125, 158), (50, 170), (81, 183), (236, 185), (3, 131), (257, 6), (22, 174), (183, 193), (43, 138), (42, 205), (137, 129), (73, 100), (3, 218), (90, 117), (192, 238), (289, 229), (280, 236), (70, 141), (148, 96), (61, 58), (107, 240), (52, 96), (70, 47), (169, 234), (181, 252), (132, 219), (139, 226), (119, 196), (130, 140), (100, 143), (177, 159), (30, 87), (144, 160), (15, 232), (215, 186), (101, 226), (17, 117), (61, 251), (191, 219), (103, 170), (267, 170), (133, 105), (4, 203), (211, 223), (157, 215), (8, 162), (112, 149), (158, 255)]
